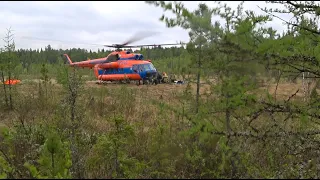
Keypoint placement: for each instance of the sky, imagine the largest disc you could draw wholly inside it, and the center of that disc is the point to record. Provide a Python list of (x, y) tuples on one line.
[(80, 24)]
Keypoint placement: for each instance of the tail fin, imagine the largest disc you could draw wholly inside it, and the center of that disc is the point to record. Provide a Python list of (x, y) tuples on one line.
[(68, 58)]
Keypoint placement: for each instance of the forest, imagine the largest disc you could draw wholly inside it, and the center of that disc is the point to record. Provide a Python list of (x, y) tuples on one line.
[(249, 108)]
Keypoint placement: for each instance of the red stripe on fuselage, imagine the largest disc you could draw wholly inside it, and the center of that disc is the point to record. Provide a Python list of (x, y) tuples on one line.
[(117, 77)]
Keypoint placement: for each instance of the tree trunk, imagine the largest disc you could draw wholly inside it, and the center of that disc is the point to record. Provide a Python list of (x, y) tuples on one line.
[(73, 90), (228, 121), (52, 163), (4, 89), (198, 81), (10, 87)]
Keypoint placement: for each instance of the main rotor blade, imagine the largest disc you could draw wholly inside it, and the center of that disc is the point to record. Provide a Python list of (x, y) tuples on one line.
[(155, 45), (139, 36), (109, 45)]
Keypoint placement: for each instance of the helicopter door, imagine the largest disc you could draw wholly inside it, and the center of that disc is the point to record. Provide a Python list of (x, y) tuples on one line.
[(142, 71)]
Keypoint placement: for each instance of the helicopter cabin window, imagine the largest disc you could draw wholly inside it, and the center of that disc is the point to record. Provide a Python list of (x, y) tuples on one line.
[(135, 68), (140, 67)]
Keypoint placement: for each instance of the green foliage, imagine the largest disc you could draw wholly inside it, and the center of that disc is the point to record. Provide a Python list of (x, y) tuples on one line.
[(163, 150), (44, 73), (62, 73), (54, 160), (238, 47), (233, 93), (8, 62), (4, 168), (111, 152), (6, 140)]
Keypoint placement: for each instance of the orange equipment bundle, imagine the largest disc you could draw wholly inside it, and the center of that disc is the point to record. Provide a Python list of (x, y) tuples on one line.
[(12, 82)]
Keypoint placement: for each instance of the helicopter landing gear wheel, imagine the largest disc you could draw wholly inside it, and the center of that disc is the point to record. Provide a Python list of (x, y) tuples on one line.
[(154, 81), (148, 81)]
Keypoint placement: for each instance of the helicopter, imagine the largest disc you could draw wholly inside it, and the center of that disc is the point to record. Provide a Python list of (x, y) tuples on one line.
[(121, 65)]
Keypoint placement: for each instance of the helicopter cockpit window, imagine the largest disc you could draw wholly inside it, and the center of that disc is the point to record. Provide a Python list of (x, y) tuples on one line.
[(152, 67), (148, 67), (113, 58)]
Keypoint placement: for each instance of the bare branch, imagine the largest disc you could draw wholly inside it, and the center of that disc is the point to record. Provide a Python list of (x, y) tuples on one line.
[(292, 96), (293, 24), (275, 91)]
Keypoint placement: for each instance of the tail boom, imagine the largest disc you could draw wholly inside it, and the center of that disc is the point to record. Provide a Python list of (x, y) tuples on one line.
[(87, 63)]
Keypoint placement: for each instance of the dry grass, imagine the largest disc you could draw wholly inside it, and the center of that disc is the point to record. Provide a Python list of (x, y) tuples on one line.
[(143, 110), (285, 89), (167, 92)]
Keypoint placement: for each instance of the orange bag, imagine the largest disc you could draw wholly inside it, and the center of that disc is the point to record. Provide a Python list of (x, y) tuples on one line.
[(12, 82)]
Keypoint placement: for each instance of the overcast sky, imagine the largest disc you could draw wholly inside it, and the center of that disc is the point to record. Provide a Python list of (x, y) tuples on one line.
[(94, 22)]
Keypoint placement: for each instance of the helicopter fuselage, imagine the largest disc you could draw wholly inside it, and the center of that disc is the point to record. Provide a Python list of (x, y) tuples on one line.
[(119, 65), (125, 69)]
